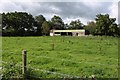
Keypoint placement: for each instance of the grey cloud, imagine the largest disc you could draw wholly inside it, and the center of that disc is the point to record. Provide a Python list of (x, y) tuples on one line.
[(66, 9), (81, 10), (119, 12)]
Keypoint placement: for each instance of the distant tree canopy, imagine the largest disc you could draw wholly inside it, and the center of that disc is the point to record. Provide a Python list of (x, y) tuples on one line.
[(45, 28), (75, 25), (18, 24), (106, 25), (57, 22), (24, 24), (103, 25), (90, 27), (0, 19), (40, 20)]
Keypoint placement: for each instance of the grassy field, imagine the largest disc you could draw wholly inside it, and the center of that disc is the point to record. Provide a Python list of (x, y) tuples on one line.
[(53, 57)]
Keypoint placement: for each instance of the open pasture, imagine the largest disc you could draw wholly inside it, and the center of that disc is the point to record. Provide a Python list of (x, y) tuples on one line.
[(53, 57)]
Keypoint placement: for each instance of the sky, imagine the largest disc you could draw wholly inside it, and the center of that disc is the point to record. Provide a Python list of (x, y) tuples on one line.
[(68, 10)]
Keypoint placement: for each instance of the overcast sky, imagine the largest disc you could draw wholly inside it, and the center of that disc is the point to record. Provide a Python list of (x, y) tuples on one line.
[(67, 10)]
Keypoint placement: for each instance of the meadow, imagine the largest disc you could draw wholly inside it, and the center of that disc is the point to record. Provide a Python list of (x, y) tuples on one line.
[(61, 56)]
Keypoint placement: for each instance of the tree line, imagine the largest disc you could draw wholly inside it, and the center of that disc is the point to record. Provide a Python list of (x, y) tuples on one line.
[(24, 24)]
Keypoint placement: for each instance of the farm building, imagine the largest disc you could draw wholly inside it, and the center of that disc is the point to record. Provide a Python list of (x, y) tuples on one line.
[(67, 32)]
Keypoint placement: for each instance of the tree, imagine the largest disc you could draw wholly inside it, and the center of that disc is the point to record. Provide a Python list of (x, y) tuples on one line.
[(75, 24), (40, 20), (90, 27), (106, 25), (50, 24), (17, 23), (119, 30), (45, 28), (57, 22), (66, 26), (0, 19)]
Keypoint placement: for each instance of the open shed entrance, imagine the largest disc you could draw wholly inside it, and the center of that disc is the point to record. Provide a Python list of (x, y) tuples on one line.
[(66, 33)]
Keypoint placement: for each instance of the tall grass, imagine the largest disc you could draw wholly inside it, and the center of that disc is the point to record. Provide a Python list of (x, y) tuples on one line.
[(77, 56)]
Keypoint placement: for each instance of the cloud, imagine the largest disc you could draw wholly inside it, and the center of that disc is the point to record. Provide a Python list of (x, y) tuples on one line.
[(85, 11), (9, 6), (114, 10), (119, 12), (83, 20)]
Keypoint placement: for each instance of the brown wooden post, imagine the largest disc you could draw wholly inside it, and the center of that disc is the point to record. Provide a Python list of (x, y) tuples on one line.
[(24, 59)]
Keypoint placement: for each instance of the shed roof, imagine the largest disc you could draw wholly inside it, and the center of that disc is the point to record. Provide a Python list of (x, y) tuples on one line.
[(82, 30)]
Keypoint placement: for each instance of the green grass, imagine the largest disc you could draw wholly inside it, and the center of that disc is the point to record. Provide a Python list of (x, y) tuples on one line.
[(76, 56)]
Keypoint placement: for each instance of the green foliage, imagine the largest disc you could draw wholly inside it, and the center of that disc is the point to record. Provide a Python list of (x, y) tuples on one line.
[(57, 22), (90, 27), (40, 20), (106, 25), (75, 25), (103, 25), (17, 23), (24, 24), (45, 28)]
